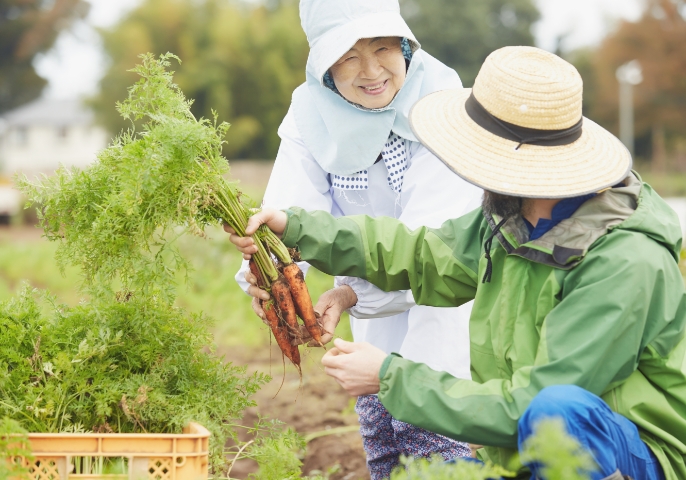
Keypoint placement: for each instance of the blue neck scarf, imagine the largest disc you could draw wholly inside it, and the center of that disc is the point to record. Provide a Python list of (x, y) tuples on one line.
[(562, 211)]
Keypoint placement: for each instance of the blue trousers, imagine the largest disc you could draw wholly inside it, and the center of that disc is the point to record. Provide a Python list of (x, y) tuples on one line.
[(611, 439)]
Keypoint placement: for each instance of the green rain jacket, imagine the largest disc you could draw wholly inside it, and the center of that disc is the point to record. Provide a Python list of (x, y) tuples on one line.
[(597, 302)]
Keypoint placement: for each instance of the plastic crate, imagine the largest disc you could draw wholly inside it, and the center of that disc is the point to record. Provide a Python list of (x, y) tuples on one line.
[(62, 456)]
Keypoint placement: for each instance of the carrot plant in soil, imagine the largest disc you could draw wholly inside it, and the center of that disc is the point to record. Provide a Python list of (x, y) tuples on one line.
[(126, 359), (109, 366)]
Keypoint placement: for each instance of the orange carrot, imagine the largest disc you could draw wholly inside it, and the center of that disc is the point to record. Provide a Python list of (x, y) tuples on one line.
[(302, 300), (284, 303), (283, 339)]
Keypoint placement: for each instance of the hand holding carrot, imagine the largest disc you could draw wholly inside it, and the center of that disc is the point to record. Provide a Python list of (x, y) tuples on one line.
[(276, 281), (254, 290), (257, 293), (276, 220), (328, 310)]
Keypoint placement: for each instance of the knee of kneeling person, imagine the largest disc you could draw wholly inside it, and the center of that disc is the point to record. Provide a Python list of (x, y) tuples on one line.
[(563, 401)]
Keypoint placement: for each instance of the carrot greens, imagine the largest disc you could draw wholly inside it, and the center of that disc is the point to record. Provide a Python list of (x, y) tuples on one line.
[(118, 218), (134, 366)]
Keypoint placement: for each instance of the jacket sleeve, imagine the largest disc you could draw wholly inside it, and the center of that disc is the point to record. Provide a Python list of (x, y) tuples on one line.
[(439, 265), (609, 308)]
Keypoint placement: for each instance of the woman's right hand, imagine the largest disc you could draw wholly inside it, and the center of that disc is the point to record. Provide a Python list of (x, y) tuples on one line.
[(276, 220)]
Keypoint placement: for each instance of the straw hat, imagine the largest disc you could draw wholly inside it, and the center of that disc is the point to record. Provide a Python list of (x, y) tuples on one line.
[(520, 130)]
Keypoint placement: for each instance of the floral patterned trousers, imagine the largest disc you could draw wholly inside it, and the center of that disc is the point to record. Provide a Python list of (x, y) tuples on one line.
[(385, 439)]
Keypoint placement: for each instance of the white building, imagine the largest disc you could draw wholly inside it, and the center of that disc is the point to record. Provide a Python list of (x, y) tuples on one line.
[(42, 135), (39, 137)]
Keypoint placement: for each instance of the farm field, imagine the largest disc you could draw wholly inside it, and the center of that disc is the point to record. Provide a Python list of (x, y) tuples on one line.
[(318, 409)]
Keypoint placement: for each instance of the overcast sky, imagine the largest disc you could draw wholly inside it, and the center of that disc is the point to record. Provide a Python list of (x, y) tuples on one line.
[(75, 65)]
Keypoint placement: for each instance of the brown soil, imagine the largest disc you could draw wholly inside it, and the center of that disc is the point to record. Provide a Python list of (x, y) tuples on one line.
[(20, 233), (315, 407)]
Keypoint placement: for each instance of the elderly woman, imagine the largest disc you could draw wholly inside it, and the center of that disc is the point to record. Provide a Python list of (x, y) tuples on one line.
[(347, 148)]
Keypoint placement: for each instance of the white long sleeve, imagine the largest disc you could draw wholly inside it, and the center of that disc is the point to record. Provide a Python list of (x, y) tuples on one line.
[(431, 195), (372, 302)]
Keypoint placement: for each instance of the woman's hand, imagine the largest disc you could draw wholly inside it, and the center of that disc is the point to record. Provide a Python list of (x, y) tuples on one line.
[(276, 220), (328, 310)]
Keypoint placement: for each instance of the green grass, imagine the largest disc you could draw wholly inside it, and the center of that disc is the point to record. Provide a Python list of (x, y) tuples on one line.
[(34, 261), (212, 289)]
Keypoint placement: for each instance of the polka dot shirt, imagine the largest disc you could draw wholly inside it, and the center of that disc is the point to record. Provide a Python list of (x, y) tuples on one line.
[(394, 156)]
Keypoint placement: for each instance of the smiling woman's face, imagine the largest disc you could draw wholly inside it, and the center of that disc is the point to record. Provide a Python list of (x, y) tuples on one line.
[(372, 72)]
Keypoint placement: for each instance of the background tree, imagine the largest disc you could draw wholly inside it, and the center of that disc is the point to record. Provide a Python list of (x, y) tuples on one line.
[(242, 61), (29, 27), (658, 41), (245, 59), (462, 34)]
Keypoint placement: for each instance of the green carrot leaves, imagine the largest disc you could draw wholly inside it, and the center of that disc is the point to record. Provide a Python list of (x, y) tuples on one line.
[(118, 218), (127, 360), (138, 365)]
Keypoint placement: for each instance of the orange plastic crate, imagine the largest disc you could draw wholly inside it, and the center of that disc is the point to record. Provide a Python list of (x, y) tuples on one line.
[(62, 456)]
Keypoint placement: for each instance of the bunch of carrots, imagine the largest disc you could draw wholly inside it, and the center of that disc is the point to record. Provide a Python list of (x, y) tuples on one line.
[(115, 218), (278, 273), (289, 299)]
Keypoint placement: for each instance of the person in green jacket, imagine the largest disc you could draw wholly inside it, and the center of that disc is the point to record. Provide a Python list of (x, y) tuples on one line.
[(572, 260)]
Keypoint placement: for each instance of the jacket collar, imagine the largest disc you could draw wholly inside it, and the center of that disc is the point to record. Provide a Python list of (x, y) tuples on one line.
[(566, 244)]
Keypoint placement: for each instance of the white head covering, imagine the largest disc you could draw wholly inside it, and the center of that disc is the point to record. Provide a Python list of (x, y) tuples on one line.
[(342, 137)]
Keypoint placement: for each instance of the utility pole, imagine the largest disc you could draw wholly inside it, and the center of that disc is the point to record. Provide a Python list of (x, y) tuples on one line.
[(629, 75)]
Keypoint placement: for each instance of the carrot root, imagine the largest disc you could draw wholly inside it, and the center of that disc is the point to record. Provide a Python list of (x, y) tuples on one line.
[(283, 339), (302, 300), (285, 307)]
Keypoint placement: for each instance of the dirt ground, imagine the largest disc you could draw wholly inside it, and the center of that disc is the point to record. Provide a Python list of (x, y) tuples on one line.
[(319, 407)]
